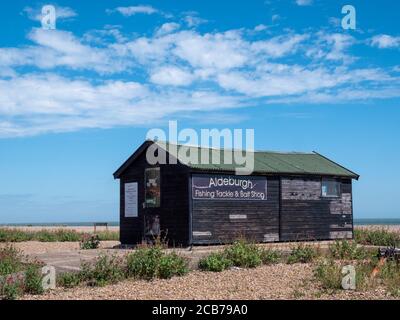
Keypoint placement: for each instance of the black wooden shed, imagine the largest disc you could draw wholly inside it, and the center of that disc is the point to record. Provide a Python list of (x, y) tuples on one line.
[(288, 197)]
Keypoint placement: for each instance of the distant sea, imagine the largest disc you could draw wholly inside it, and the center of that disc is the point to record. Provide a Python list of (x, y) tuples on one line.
[(360, 222), (58, 224), (368, 222)]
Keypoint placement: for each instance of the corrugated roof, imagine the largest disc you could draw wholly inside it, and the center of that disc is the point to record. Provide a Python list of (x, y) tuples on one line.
[(264, 161)]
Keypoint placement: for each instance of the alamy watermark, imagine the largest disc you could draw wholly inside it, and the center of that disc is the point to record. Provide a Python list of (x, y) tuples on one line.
[(349, 277), (349, 20), (49, 17), (237, 149)]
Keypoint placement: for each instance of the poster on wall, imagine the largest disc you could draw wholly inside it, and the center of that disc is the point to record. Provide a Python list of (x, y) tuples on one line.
[(226, 187), (131, 200)]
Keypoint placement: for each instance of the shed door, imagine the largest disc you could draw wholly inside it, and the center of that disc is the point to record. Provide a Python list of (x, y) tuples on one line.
[(151, 210)]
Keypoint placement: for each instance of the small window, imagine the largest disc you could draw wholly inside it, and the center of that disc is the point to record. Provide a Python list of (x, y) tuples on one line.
[(330, 188), (152, 193)]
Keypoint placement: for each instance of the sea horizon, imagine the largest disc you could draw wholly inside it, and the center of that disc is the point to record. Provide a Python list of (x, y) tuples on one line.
[(358, 221)]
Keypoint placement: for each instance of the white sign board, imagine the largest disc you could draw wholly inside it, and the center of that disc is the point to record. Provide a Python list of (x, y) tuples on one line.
[(131, 200)]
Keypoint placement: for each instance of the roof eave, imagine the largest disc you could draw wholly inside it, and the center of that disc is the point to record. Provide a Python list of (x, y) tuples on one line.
[(117, 174)]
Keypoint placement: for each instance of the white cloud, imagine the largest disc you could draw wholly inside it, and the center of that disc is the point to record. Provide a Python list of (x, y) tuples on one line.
[(33, 104), (172, 76), (260, 27), (175, 71), (220, 50), (275, 17), (384, 41), (278, 46), (193, 21), (61, 13), (60, 49), (132, 10), (167, 28), (304, 2), (280, 80)]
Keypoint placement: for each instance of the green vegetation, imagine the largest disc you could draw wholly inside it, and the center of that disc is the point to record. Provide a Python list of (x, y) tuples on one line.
[(151, 262), (377, 237), (329, 273), (215, 262), (239, 254), (33, 280), (346, 250), (390, 275), (108, 235), (10, 261), (89, 241), (105, 270), (302, 254), (69, 279), (269, 256), (62, 235), (244, 254), (171, 265), (17, 274), (143, 263), (11, 289)]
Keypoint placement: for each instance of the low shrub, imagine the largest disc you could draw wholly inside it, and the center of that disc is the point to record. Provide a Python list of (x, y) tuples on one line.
[(67, 235), (69, 279), (329, 274), (376, 237), (346, 250), (89, 241), (108, 235), (243, 254), (215, 262), (390, 275), (105, 270), (143, 263), (11, 288), (14, 235), (10, 260), (269, 256), (57, 235), (172, 265), (151, 262), (33, 280), (302, 254), (62, 235)]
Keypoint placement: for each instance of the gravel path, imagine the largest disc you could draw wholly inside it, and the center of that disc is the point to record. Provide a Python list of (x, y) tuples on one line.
[(267, 282), (37, 247)]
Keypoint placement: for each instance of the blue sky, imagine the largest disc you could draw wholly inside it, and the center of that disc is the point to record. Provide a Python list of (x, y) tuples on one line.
[(75, 102)]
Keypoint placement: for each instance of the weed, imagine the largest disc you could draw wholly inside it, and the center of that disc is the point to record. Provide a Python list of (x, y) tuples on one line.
[(329, 274), (269, 256), (89, 241), (172, 265), (69, 279), (105, 270), (143, 263), (376, 237), (302, 253), (33, 280), (215, 262), (346, 250), (243, 254)]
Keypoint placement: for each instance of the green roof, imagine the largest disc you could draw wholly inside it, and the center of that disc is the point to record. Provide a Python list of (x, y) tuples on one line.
[(264, 161)]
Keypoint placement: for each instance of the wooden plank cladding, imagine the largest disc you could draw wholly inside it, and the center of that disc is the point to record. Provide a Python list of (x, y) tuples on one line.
[(301, 189), (312, 216), (230, 219)]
